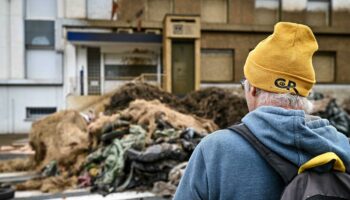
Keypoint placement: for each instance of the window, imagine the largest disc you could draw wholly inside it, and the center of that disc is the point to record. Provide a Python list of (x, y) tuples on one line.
[(117, 72), (217, 66), (318, 13), (39, 33), (130, 64), (34, 113), (266, 12), (42, 61), (41, 9), (157, 9), (214, 11), (42, 64), (94, 70), (324, 65)]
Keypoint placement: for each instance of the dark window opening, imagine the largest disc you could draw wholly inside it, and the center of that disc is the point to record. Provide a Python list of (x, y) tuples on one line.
[(39, 33), (126, 72), (34, 113)]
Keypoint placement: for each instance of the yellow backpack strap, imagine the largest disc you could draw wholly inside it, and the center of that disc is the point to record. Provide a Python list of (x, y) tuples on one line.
[(322, 160)]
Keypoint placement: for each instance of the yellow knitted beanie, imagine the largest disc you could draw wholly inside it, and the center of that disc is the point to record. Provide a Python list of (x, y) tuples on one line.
[(282, 63)]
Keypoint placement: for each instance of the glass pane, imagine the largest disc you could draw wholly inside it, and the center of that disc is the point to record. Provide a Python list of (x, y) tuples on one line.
[(217, 66), (266, 12), (41, 64), (41, 9), (34, 113), (324, 65), (94, 71), (317, 13), (115, 72), (39, 33), (214, 11)]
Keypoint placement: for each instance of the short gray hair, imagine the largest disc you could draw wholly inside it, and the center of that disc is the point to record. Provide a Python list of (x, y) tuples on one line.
[(285, 100)]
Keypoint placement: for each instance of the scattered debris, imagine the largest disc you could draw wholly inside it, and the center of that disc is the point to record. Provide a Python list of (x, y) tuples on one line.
[(149, 138), (141, 140)]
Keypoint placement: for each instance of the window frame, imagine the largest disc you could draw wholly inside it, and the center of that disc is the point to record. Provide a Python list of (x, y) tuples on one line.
[(123, 78), (33, 117), (329, 10), (232, 50), (334, 55), (228, 3), (33, 46), (279, 13)]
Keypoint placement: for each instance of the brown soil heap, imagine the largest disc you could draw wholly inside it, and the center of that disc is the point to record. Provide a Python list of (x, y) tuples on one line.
[(220, 105), (217, 104), (138, 90)]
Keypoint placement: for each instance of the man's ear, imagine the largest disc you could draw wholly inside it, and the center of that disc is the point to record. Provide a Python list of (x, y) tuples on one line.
[(252, 91)]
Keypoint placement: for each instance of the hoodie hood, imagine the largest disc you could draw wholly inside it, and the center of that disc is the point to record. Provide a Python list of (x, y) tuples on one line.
[(292, 135)]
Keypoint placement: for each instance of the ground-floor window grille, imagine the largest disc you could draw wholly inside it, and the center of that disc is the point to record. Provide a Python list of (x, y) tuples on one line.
[(34, 113)]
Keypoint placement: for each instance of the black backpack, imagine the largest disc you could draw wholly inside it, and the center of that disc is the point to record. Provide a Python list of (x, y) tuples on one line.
[(305, 183)]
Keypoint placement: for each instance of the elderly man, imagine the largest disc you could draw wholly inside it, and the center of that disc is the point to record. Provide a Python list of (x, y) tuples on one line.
[(279, 76)]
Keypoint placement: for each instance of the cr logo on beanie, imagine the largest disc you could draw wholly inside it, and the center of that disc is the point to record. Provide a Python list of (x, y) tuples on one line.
[(282, 63)]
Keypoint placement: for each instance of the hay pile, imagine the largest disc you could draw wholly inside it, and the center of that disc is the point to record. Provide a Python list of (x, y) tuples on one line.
[(147, 113), (61, 137)]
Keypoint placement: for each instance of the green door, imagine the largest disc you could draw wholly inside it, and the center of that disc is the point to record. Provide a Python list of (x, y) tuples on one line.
[(183, 79)]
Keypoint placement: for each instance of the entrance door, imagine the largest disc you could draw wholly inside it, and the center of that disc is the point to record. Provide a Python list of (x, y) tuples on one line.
[(183, 79)]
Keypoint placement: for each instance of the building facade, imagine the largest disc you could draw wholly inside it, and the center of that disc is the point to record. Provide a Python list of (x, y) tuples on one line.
[(58, 54)]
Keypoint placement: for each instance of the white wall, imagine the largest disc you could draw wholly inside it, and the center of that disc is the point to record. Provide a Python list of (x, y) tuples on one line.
[(99, 9), (11, 39), (17, 39), (44, 65), (41, 9), (70, 70), (4, 39), (75, 9), (4, 107), (15, 99)]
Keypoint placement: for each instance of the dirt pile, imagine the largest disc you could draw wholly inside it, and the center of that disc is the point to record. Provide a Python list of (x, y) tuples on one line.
[(220, 105), (138, 90), (217, 104)]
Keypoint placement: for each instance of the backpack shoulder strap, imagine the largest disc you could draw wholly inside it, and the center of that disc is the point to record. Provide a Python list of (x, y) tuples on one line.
[(283, 167)]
